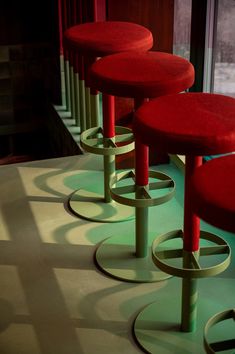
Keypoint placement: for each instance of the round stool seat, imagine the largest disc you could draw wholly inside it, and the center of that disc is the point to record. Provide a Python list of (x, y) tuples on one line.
[(188, 124), (213, 193), (142, 74), (102, 38)]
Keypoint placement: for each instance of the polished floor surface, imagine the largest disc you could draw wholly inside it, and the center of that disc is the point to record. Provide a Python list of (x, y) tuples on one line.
[(53, 297)]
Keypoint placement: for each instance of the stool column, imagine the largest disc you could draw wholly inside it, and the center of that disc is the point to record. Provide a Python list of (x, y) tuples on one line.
[(64, 19), (72, 82), (191, 245), (141, 180), (94, 100), (87, 63), (82, 100), (62, 74), (108, 133), (94, 108), (67, 80), (77, 95)]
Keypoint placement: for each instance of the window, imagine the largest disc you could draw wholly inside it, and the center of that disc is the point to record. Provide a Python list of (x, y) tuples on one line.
[(182, 26), (224, 49), (204, 33)]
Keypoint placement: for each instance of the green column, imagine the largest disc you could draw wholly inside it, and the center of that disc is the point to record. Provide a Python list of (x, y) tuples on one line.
[(141, 226), (77, 98), (189, 298), (82, 103), (67, 85), (94, 110), (72, 91), (109, 173), (88, 107), (62, 81)]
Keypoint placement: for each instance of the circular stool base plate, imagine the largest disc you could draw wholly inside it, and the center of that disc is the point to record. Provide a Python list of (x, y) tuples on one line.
[(157, 326), (91, 206), (116, 257)]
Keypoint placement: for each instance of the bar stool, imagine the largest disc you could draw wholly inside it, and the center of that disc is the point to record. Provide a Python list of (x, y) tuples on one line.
[(190, 124), (138, 75), (213, 200), (88, 41)]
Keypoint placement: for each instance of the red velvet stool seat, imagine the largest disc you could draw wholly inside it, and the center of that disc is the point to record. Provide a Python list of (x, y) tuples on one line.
[(213, 200), (190, 124), (86, 42), (138, 75)]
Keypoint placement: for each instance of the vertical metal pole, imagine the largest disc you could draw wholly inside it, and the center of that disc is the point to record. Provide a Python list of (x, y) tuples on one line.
[(62, 75), (62, 80), (141, 214), (87, 64), (66, 58), (94, 108), (108, 132), (88, 106), (141, 180), (94, 99), (77, 98), (82, 100), (67, 81), (72, 82), (191, 244)]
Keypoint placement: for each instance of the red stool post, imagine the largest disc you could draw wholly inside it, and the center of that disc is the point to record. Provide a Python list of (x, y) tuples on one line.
[(140, 75), (191, 124), (141, 181), (108, 133), (213, 200)]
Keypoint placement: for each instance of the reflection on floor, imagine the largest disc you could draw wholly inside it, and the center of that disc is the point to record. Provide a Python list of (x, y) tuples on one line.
[(53, 298)]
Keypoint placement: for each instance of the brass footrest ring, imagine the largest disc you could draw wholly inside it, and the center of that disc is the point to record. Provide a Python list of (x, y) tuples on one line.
[(119, 194), (218, 346), (160, 256), (92, 140)]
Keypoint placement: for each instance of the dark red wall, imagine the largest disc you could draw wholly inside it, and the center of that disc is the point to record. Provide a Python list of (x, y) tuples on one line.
[(157, 15)]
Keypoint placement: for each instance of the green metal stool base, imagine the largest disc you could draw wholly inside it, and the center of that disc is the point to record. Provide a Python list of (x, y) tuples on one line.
[(92, 140), (116, 257), (227, 335), (157, 326), (128, 257), (97, 207), (91, 206), (126, 195), (216, 247)]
